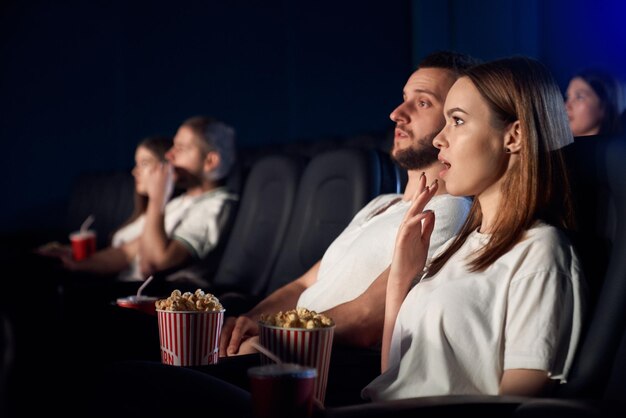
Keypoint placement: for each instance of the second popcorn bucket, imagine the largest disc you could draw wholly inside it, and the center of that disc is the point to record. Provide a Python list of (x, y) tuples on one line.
[(190, 328), (305, 346)]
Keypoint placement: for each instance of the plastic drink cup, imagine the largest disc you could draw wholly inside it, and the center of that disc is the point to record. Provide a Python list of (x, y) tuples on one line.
[(189, 338), (141, 303), (83, 244), (307, 347), (284, 390)]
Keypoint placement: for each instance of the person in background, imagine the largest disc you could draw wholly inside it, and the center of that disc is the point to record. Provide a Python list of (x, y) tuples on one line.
[(594, 102), (202, 157), (348, 283), (177, 239), (499, 309), (173, 237), (120, 258)]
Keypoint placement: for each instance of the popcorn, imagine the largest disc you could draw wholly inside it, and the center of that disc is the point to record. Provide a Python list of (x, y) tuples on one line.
[(197, 301), (298, 318)]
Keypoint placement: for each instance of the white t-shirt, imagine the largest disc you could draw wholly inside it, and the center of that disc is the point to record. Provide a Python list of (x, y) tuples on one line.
[(130, 232), (458, 331), (365, 247), (196, 221)]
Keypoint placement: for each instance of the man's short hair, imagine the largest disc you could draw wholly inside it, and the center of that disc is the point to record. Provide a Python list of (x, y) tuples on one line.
[(218, 137), (456, 62)]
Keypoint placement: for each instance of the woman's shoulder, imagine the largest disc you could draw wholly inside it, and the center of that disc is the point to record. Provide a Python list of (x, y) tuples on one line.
[(548, 245), (546, 235)]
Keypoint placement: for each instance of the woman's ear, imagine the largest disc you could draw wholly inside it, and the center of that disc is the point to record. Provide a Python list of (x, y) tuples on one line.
[(513, 138)]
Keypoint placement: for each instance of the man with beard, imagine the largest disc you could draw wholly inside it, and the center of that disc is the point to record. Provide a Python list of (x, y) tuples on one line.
[(200, 159), (349, 282)]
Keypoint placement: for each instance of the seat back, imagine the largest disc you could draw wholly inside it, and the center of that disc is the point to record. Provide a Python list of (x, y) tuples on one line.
[(393, 178), (265, 208), (334, 186), (598, 172), (106, 195), (7, 355), (616, 386)]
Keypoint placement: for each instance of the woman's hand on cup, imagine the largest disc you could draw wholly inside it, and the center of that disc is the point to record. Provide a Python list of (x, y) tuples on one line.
[(53, 249)]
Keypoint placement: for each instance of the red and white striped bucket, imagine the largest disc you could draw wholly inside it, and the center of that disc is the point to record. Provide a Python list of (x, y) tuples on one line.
[(190, 338), (307, 347)]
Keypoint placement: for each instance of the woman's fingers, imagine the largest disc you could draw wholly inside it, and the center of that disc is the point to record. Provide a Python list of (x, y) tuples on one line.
[(427, 227), (421, 199)]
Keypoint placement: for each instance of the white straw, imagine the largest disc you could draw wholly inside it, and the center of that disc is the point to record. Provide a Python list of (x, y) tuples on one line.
[(87, 223), (143, 286), (267, 352)]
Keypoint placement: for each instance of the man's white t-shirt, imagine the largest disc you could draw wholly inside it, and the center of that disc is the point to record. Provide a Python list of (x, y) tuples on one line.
[(458, 331), (196, 221), (365, 247)]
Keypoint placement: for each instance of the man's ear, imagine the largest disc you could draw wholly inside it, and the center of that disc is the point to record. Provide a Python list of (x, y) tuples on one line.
[(513, 138), (211, 161)]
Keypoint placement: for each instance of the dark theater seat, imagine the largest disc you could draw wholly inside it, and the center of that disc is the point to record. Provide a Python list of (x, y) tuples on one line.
[(265, 209), (335, 185)]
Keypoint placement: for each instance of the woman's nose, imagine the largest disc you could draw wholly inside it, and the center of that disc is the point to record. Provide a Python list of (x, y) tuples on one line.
[(439, 141)]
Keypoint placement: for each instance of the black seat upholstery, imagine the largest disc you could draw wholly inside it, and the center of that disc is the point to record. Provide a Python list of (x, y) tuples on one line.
[(335, 185), (598, 374), (264, 211), (106, 195), (599, 183), (7, 354)]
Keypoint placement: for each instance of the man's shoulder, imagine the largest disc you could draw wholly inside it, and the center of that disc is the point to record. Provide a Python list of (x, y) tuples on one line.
[(384, 198), (219, 195)]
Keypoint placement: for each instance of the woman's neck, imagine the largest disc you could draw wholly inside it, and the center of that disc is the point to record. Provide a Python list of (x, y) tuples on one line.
[(489, 201)]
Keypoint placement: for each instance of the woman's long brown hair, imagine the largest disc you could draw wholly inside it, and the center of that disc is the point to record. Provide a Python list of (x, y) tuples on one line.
[(537, 187)]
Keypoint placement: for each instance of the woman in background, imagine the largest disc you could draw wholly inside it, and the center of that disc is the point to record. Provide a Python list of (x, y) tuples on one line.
[(594, 102), (119, 257)]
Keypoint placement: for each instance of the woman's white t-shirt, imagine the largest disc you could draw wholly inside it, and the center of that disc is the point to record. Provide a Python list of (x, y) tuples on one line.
[(458, 331)]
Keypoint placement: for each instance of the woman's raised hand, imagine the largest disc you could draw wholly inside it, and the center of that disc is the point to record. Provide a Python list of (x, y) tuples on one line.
[(413, 237)]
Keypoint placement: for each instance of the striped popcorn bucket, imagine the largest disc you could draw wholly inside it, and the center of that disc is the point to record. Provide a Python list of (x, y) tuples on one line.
[(189, 338), (307, 347)]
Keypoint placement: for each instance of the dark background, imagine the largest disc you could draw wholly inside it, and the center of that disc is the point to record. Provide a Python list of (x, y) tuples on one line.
[(81, 82)]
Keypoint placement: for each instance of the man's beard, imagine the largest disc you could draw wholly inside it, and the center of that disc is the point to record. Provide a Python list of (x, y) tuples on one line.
[(184, 180), (417, 156)]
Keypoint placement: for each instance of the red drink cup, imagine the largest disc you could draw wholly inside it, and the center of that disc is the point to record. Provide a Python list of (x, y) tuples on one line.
[(307, 347), (283, 390), (141, 303), (189, 338), (83, 244)]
